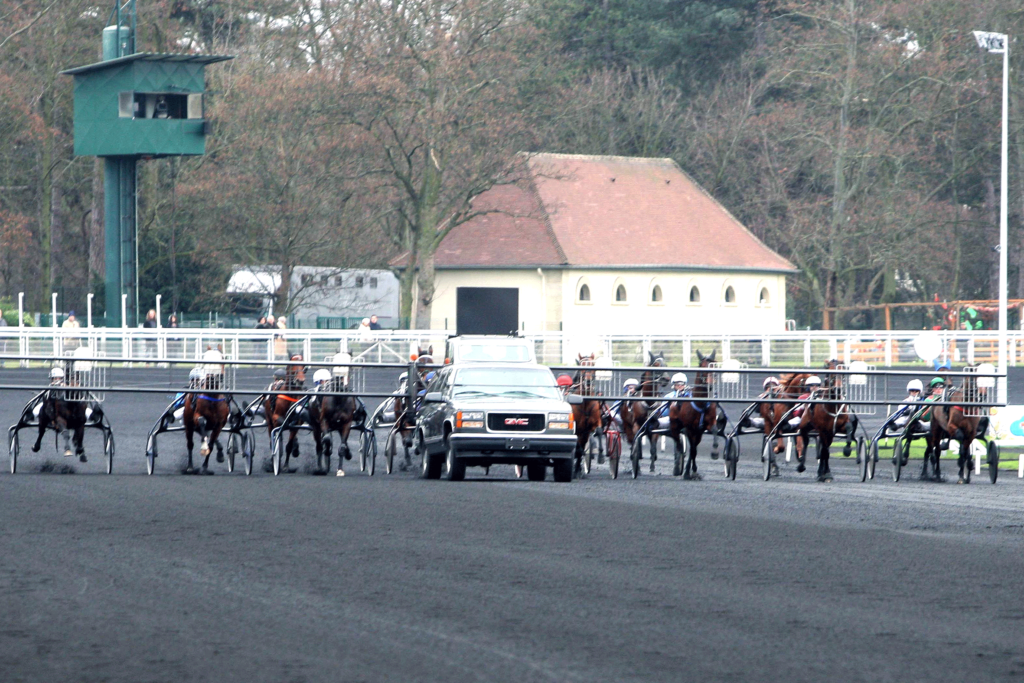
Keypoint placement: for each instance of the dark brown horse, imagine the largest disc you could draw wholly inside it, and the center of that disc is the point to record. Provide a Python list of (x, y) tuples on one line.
[(691, 416), (333, 414), (827, 419), (954, 422), (790, 387), (405, 420), (276, 406), (62, 409), (206, 412), (587, 415), (634, 413)]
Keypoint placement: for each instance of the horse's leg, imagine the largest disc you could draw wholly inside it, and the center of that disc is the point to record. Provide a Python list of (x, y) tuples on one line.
[(653, 441), (802, 439), (964, 461), (344, 452), (80, 440), (850, 431), (189, 430), (825, 440), (406, 445), (292, 449), (213, 437), (694, 442), (44, 422)]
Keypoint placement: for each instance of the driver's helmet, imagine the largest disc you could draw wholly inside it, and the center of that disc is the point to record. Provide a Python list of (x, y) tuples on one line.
[(630, 384), (57, 373), (813, 381), (280, 373), (915, 385), (936, 382), (679, 378), (770, 382), (194, 375), (564, 381), (320, 376), (430, 376)]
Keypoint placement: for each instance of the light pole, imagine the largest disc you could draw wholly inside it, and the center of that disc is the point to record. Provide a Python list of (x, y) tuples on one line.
[(999, 43)]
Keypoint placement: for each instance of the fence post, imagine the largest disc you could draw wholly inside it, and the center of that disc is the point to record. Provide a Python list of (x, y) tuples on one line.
[(833, 348), (686, 352), (807, 351), (970, 350), (726, 349), (766, 350), (888, 351)]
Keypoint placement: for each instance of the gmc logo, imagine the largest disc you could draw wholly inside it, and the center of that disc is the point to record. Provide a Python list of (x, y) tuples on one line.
[(517, 421)]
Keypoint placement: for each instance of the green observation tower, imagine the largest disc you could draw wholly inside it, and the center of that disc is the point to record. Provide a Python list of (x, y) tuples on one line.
[(131, 106)]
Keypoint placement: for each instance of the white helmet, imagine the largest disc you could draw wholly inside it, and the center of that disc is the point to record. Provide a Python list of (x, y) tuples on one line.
[(195, 373), (769, 382), (678, 377), (631, 382), (321, 375), (57, 373), (915, 385), (813, 381)]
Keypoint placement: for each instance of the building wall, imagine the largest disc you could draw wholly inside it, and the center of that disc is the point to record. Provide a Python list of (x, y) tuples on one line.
[(674, 314)]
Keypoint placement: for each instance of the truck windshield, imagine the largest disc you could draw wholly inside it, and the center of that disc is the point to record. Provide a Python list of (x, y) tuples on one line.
[(500, 353), (532, 382)]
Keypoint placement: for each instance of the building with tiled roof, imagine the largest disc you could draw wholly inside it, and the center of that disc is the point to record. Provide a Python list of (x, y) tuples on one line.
[(598, 244)]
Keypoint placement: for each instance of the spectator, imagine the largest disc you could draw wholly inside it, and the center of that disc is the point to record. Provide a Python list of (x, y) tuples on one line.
[(150, 322), (270, 322), (3, 323), (280, 344), (262, 324), (364, 330), (172, 321), (71, 323), (374, 325)]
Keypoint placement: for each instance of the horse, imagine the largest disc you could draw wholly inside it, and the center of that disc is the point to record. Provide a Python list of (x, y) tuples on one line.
[(64, 410), (634, 413), (790, 386), (207, 412), (276, 406), (827, 419), (405, 420), (690, 416), (328, 414), (587, 414), (953, 422)]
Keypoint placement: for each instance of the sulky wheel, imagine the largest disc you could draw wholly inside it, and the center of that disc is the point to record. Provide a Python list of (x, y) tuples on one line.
[(992, 453), (233, 441), (862, 459), (614, 453), (277, 453), (897, 459), (151, 455), (588, 457), (872, 458), (12, 447), (390, 446), (732, 458), (248, 452), (634, 455), (766, 459), (368, 450), (108, 449)]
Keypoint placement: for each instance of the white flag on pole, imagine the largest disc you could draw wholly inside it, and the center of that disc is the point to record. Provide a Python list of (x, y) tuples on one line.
[(992, 42)]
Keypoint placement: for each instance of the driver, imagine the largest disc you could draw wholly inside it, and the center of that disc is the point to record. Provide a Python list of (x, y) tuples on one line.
[(679, 390), (914, 391), (813, 383), (564, 383), (629, 388), (321, 379), (56, 377)]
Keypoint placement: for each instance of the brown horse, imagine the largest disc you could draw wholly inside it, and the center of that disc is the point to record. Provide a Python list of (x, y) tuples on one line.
[(827, 419), (634, 413), (405, 420), (206, 412), (587, 415), (333, 414), (65, 414), (276, 406), (953, 422), (691, 416), (790, 387)]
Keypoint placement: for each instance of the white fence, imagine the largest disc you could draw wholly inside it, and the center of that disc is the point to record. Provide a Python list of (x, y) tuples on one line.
[(784, 349)]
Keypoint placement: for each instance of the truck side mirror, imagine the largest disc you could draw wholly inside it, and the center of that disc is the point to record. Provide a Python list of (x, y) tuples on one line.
[(574, 399), (433, 397)]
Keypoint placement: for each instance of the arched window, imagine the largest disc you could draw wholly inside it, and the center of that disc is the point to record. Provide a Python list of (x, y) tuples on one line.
[(764, 298), (584, 293), (620, 294), (656, 295), (730, 295), (694, 295)]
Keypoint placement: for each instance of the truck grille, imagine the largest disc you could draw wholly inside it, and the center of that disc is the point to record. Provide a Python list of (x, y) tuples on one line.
[(515, 422)]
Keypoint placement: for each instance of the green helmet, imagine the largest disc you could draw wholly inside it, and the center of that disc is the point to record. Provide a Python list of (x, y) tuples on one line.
[(935, 382)]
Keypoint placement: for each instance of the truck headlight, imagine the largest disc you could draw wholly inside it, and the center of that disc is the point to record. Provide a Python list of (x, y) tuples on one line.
[(560, 421), (465, 419)]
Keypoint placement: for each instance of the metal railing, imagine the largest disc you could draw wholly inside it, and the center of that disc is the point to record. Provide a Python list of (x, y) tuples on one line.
[(781, 349)]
